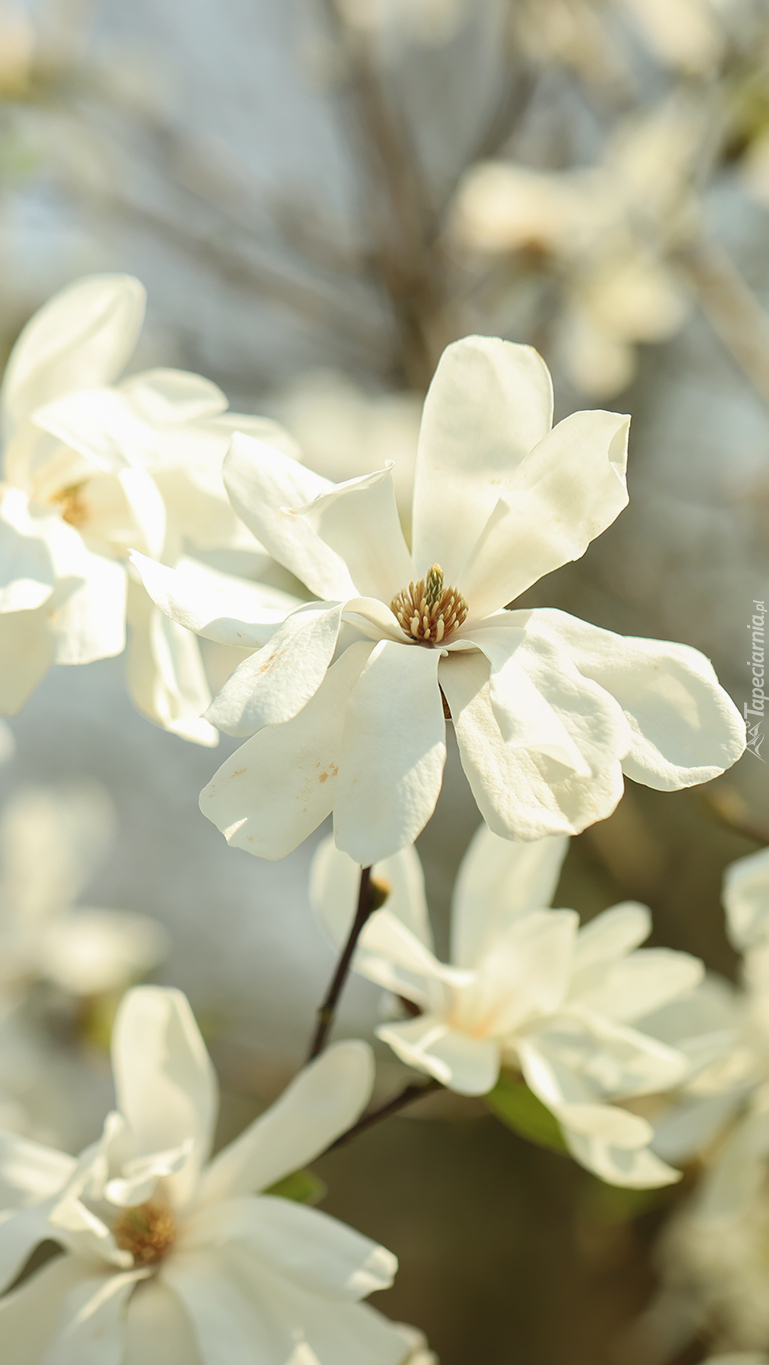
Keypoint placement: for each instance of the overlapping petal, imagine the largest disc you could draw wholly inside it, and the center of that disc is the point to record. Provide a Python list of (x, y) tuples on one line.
[(359, 522), (392, 755), (282, 783), (746, 899), (490, 402), (217, 606), (499, 880), (465, 1064)]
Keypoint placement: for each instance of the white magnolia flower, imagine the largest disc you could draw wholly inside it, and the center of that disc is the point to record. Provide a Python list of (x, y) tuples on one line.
[(168, 1258), (420, 1351), (91, 469), (527, 988), (350, 696), (725, 1030), (604, 233), (50, 844)]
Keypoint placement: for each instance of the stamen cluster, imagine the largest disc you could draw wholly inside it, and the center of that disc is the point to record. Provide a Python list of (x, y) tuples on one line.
[(427, 611), (72, 503), (147, 1231)]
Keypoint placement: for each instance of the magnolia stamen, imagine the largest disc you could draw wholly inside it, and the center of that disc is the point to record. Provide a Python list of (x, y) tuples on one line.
[(427, 611), (147, 1231)]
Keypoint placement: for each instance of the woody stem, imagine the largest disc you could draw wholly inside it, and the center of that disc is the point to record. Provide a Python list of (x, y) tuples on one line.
[(327, 1010)]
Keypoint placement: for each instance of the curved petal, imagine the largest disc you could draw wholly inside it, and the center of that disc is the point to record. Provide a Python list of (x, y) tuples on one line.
[(470, 1066), (26, 570), (320, 1104), (234, 1322), (90, 624), (20, 1234), (611, 935), (746, 899), (304, 1245), (489, 404), (498, 881), (273, 685), (523, 974), (278, 787), (92, 1324), (686, 729), (215, 605), (393, 753), (31, 1316), (27, 648), (264, 484), (30, 1172), (520, 794), (165, 1083), (636, 1168), (334, 879), (563, 495), (164, 671), (359, 521), (645, 981), (582, 1058), (82, 337), (157, 1329), (166, 397)]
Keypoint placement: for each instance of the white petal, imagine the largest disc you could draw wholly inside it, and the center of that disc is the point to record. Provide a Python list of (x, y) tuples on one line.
[(686, 729), (523, 973), (263, 485), (320, 1104), (334, 879), (612, 934), (643, 982), (275, 683), (278, 787), (165, 1083), (746, 899), (470, 1066), (583, 1058), (218, 606), (391, 952), (26, 571), (359, 521), (20, 1233), (306, 1246), (169, 396), (737, 1175), (636, 1168), (83, 336), (51, 841), (521, 795), (234, 1322), (164, 671), (157, 1329), (91, 623), (27, 648), (147, 509), (563, 495), (31, 1315), (30, 1172), (499, 880), (93, 1321), (393, 753), (490, 402)]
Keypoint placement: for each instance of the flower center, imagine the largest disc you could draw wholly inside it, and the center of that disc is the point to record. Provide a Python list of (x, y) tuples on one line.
[(147, 1231), (72, 503), (427, 611)]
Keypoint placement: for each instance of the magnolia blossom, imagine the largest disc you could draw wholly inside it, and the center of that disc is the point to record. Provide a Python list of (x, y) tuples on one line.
[(50, 844), (526, 988), (171, 1257), (92, 468), (349, 698), (604, 233), (725, 1030)]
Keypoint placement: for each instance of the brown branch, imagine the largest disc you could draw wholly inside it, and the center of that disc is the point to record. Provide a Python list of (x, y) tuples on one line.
[(367, 903), (393, 1106)]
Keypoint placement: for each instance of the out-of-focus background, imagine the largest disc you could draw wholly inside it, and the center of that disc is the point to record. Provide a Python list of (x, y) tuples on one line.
[(319, 195)]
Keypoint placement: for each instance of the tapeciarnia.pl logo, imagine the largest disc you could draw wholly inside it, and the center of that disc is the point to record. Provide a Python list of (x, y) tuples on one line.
[(753, 711)]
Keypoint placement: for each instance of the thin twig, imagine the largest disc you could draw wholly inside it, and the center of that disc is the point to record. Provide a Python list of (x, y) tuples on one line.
[(366, 904), (393, 1106)]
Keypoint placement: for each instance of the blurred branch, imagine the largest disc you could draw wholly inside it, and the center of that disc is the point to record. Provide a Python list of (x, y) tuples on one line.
[(393, 1106), (732, 310), (733, 812)]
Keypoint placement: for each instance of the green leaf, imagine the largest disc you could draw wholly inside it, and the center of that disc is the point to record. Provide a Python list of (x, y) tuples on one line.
[(518, 1107), (304, 1187)]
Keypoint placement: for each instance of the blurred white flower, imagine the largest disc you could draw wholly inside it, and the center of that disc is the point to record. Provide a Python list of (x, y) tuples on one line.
[(423, 21), (420, 1351), (167, 1258), (686, 35), (17, 49), (50, 844), (349, 698), (342, 430), (93, 468), (605, 233), (527, 988)]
